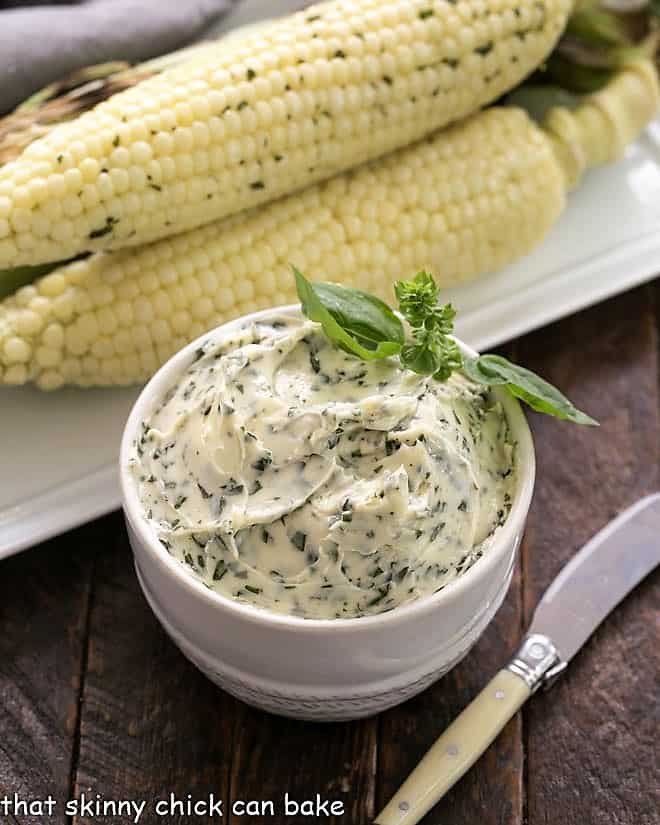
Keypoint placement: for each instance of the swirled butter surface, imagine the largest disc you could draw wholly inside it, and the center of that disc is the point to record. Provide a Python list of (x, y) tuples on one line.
[(286, 473)]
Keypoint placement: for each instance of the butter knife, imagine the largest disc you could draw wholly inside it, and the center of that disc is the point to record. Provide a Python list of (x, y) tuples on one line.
[(591, 585)]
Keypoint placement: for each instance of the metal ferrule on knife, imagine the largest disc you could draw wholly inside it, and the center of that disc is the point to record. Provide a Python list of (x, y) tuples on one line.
[(537, 662)]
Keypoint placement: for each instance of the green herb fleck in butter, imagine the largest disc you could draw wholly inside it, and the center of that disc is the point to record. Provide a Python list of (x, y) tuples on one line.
[(288, 474)]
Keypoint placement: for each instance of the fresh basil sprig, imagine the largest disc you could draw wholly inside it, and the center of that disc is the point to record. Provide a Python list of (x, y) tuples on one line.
[(365, 326), (432, 352)]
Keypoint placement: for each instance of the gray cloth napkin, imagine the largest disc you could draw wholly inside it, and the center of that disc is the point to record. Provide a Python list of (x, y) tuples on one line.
[(42, 43)]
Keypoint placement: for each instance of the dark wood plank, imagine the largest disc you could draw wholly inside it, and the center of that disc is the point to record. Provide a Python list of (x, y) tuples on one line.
[(592, 741), (275, 755), (151, 724), (492, 793), (44, 596)]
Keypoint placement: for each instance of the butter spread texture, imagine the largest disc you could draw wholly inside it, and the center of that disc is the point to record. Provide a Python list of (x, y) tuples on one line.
[(288, 474)]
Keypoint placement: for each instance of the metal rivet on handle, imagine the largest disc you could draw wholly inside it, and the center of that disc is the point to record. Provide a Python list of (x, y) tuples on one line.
[(499, 694), (452, 750), (404, 806), (537, 651)]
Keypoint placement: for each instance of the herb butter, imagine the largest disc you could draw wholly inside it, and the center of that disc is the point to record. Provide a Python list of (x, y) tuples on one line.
[(288, 474)]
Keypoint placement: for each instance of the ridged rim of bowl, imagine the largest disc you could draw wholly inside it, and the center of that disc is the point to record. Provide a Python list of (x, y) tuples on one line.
[(515, 523)]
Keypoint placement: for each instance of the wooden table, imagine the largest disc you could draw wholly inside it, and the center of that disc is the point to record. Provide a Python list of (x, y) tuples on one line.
[(94, 698)]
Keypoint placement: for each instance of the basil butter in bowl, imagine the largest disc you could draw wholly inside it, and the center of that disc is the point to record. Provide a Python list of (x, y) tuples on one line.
[(323, 536)]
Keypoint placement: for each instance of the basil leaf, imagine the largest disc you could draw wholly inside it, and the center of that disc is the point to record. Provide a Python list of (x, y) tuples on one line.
[(314, 309), (430, 355), (477, 370), (419, 358), (364, 316), (525, 385)]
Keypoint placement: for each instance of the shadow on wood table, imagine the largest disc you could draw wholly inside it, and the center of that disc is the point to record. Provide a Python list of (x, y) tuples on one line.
[(95, 699)]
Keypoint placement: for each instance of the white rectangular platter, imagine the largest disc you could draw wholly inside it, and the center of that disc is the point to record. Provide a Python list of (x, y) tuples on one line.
[(58, 452)]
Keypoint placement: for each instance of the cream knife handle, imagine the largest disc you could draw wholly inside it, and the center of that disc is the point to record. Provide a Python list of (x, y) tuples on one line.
[(457, 749), (464, 741)]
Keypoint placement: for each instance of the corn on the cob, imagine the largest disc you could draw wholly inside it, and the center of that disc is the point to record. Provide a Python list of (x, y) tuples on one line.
[(80, 91), (469, 200), (270, 113)]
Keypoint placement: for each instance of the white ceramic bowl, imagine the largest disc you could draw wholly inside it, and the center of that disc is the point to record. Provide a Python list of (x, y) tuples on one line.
[(312, 668)]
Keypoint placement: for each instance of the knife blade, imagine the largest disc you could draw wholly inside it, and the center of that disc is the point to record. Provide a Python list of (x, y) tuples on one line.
[(589, 587), (599, 576)]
